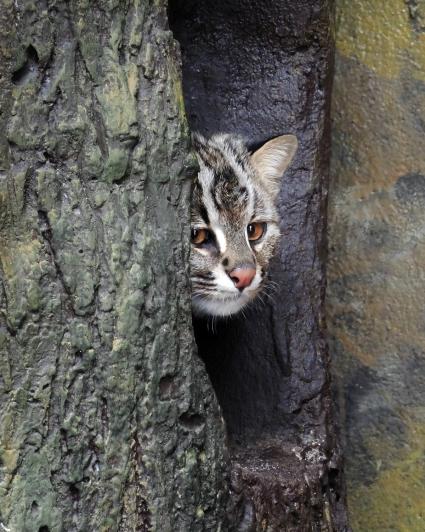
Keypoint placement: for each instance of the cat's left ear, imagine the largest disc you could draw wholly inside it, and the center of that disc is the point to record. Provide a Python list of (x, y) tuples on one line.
[(272, 159)]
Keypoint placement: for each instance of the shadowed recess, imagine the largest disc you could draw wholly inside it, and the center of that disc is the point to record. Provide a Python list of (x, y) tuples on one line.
[(258, 71), (262, 70)]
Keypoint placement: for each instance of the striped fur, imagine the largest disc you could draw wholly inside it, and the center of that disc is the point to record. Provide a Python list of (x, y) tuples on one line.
[(234, 189)]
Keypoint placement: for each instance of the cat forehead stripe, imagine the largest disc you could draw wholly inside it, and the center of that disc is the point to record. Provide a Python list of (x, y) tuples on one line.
[(208, 202), (221, 238), (224, 154)]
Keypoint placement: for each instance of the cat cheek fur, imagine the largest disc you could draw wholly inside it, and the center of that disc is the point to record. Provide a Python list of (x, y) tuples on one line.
[(232, 190)]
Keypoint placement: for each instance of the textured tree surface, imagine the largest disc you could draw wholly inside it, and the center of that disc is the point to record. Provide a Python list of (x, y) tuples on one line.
[(377, 258), (263, 69), (107, 419)]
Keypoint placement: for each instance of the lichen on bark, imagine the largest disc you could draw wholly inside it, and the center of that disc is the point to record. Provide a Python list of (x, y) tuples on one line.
[(107, 418)]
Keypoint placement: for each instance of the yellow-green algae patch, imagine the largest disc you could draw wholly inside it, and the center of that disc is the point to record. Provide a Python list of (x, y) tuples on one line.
[(379, 35), (397, 494), (21, 270)]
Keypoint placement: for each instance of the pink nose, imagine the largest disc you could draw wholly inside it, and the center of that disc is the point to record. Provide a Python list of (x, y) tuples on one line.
[(242, 277)]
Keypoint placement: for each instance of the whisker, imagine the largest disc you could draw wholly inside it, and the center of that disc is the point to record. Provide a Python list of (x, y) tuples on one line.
[(270, 296), (204, 284), (261, 300), (202, 278)]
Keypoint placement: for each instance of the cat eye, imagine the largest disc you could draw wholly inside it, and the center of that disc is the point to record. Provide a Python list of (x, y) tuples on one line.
[(200, 236), (256, 230)]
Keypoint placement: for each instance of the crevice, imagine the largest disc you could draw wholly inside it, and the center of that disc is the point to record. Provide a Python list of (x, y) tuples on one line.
[(252, 69), (191, 421), (29, 69), (28, 193), (416, 15), (135, 478), (46, 233)]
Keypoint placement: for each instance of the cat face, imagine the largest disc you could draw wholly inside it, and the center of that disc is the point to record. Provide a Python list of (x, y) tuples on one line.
[(234, 220)]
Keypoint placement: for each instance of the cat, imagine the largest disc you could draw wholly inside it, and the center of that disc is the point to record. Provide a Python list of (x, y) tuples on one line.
[(234, 220)]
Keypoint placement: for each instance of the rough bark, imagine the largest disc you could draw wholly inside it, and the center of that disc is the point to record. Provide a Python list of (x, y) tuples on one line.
[(108, 420), (264, 69)]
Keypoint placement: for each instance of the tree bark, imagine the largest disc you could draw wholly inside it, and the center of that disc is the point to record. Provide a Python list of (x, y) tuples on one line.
[(108, 420)]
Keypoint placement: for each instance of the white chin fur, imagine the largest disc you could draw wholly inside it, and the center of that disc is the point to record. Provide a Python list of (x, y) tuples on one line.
[(225, 306), (218, 306)]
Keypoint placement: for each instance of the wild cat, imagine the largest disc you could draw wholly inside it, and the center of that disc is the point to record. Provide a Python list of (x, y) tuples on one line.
[(234, 220)]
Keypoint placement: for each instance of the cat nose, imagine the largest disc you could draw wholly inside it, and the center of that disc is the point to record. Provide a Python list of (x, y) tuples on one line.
[(242, 276)]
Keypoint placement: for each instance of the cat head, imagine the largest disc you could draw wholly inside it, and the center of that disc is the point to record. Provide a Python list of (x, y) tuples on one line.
[(234, 220)]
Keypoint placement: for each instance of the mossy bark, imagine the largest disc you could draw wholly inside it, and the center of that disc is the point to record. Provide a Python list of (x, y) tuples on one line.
[(108, 421)]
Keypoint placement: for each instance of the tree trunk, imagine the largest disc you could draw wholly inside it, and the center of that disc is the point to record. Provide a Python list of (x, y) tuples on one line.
[(108, 420)]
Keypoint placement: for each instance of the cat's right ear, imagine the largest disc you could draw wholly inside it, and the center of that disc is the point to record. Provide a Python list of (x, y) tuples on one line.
[(272, 159)]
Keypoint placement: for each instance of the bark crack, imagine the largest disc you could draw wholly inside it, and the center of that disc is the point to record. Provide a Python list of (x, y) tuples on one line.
[(46, 233)]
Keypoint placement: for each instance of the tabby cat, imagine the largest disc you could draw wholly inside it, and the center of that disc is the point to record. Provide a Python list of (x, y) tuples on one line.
[(234, 220)]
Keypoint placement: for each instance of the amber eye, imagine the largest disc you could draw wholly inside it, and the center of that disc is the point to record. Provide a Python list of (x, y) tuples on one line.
[(200, 236), (256, 230)]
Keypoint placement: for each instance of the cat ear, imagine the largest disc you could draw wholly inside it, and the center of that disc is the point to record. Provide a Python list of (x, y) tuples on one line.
[(272, 159)]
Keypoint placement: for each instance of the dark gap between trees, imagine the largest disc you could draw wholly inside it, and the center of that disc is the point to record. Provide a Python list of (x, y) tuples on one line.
[(243, 72), (261, 70)]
